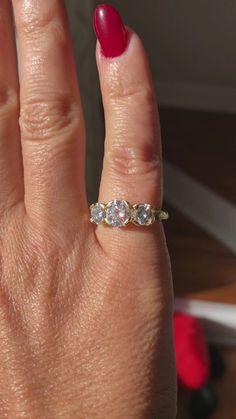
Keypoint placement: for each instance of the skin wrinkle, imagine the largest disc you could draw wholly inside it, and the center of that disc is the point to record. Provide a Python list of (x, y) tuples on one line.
[(13, 375), (131, 161), (40, 120), (32, 21), (47, 26)]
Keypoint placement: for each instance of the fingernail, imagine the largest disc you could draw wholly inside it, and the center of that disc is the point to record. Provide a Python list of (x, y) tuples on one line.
[(110, 31)]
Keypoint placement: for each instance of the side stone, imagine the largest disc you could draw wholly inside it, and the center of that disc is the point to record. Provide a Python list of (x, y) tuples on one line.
[(142, 214), (98, 213)]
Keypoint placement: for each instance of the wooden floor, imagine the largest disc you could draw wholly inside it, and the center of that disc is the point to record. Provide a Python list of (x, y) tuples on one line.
[(203, 145), (202, 267)]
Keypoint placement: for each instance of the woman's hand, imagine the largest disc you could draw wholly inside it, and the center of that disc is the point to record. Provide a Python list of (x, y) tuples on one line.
[(85, 311)]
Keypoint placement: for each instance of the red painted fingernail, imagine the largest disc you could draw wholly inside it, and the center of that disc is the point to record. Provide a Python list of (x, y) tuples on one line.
[(110, 30)]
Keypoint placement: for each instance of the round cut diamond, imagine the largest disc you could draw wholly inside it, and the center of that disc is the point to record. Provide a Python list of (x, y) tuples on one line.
[(98, 213), (117, 213), (142, 214)]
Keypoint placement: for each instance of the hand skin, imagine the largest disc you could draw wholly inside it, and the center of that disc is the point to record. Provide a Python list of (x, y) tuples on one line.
[(85, 312)]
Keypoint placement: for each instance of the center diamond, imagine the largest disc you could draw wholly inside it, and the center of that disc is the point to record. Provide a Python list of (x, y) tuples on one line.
[(118, 213)]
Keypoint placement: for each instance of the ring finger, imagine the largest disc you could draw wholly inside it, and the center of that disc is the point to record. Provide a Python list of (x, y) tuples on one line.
[(132, 167)]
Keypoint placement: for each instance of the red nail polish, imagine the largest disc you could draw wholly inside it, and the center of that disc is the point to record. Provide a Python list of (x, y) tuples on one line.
[(110, 30)]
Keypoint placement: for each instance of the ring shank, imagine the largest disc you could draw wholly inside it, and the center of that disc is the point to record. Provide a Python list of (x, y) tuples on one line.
[(161, 215)]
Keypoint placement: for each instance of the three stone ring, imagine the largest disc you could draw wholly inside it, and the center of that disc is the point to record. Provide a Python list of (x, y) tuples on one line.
[(120, 213)]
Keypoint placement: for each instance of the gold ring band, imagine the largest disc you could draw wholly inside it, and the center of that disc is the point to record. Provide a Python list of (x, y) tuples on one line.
[(120, 213)]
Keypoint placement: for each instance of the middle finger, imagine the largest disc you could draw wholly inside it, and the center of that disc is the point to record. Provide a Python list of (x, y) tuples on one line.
[(52, 127)]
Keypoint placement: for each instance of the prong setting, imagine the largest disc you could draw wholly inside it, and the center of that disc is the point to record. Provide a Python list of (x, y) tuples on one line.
[(118, 213)]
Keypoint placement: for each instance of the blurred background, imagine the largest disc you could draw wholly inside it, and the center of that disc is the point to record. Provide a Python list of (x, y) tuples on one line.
[(191, 47)]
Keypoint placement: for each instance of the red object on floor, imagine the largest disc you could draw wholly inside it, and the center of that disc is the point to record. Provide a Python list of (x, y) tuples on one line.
[(191, 351)]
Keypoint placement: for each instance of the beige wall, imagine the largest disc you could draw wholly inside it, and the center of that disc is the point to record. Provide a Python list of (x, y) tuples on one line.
[(187, 41)]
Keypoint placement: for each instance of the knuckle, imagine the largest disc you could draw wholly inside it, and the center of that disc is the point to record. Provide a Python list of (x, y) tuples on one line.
[(9, 102), (120, 90), (42, 120), (130, 161), (33, 23)]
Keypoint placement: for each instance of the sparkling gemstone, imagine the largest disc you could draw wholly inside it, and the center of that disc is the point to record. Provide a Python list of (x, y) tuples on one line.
[(142, 214), (98, 213), (117, 213)]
